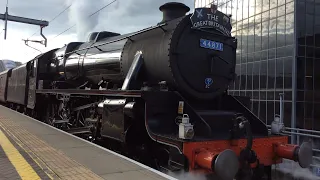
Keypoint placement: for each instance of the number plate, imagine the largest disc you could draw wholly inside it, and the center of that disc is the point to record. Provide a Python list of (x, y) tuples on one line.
[(211, 45)]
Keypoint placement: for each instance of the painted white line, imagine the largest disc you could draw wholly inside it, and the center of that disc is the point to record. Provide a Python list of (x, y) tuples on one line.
[(105, 149)]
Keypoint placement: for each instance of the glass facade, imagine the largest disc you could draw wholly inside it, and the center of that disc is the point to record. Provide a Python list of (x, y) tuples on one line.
[(265, 55), (308, 63)]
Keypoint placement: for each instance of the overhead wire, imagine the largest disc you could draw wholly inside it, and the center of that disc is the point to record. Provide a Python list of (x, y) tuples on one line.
[(54, 18), (87, 17)]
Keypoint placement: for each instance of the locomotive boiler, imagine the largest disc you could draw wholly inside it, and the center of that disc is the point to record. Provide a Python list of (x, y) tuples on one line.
[(170, 53), (158, 95)]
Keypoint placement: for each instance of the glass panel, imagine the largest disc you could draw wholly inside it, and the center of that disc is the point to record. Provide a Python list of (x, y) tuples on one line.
[(239, 12), (239, 24), (317, 9), (271, 73), (272, 33), (239, 37), (271, 53), (257, 56), (259, 4), (301, 5), (289, 29), (316, 74), (310, 7), (281, 52), (257, 18), (263, 74), (265, 5), (255, 94), (301, 51), (287, 114), (264, 55), (238, 58), (257, 37), (309, 51), (262, 111), (309, 67), (244, 58), (300, 72), (287, 70), (273, 4), (237, 81), (279, 74), (234, 10), (289, 7), (249, 76), (255, 74), (277, 106), (250, 56), (281, 10), (273, 13), (281, 2), (281, 39), (243, 80), (251, 40), (288, 95), (265, 16), (245, 40), (309, 24), (265, 29), (245, 8), (255, 108), (289, 50), (251, 22), (270, 112)]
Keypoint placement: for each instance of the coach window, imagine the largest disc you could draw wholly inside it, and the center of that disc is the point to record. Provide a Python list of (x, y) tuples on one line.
[(32, 69)]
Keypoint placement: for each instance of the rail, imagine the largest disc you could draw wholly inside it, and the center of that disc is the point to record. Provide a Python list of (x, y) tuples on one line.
[(298, 133)]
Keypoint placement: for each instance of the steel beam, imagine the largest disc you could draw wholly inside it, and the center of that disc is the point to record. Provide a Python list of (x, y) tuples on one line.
[(6, 17), (24, 20)]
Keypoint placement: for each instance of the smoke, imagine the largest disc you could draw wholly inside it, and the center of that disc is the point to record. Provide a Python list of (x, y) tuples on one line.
[(122, 16), (187, 176), (292, 169), (78, 14)]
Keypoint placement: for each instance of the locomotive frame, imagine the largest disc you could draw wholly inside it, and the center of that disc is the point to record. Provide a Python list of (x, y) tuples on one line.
[(152, 120)]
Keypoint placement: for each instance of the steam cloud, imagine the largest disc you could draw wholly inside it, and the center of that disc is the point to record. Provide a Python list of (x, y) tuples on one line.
[(78, 14), (123, 16)]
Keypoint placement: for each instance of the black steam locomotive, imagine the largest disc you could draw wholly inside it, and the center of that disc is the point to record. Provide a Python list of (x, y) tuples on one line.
[(159, 95)]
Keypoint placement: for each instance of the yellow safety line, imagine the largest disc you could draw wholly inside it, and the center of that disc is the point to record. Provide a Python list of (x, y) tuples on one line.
[(22, 166)]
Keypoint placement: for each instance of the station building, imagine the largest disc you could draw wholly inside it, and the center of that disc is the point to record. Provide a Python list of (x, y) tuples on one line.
[(278, 52)]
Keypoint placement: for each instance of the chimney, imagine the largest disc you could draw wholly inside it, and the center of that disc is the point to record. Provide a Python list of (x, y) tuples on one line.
[(173, 10)]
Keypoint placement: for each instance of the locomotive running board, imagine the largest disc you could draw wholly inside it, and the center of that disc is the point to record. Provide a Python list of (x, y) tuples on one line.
[(132, 93)]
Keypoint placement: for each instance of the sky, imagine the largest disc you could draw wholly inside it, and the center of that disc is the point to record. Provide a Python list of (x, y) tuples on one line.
[(122, 16)]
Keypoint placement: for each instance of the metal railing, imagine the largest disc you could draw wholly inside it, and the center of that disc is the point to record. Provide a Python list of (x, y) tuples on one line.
[(297, 133)]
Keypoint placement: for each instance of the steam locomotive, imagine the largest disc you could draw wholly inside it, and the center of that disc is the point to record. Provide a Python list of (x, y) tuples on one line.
[(159, 95)]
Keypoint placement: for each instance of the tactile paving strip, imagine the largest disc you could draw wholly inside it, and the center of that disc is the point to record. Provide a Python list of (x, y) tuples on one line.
[(56, 164), (7, 170)]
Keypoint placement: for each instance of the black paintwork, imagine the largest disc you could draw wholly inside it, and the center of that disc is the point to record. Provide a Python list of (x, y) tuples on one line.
[(144, 116), (18, 84), (4, 84)]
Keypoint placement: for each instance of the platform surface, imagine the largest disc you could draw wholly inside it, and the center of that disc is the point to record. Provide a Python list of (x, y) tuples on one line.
[(30, 149)]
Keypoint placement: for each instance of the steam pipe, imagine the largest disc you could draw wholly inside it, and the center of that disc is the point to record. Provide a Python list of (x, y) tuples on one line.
[(281, 107), (298, 129)]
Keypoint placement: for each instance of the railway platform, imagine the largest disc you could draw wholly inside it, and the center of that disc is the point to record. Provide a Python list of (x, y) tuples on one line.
[(30, 149)]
